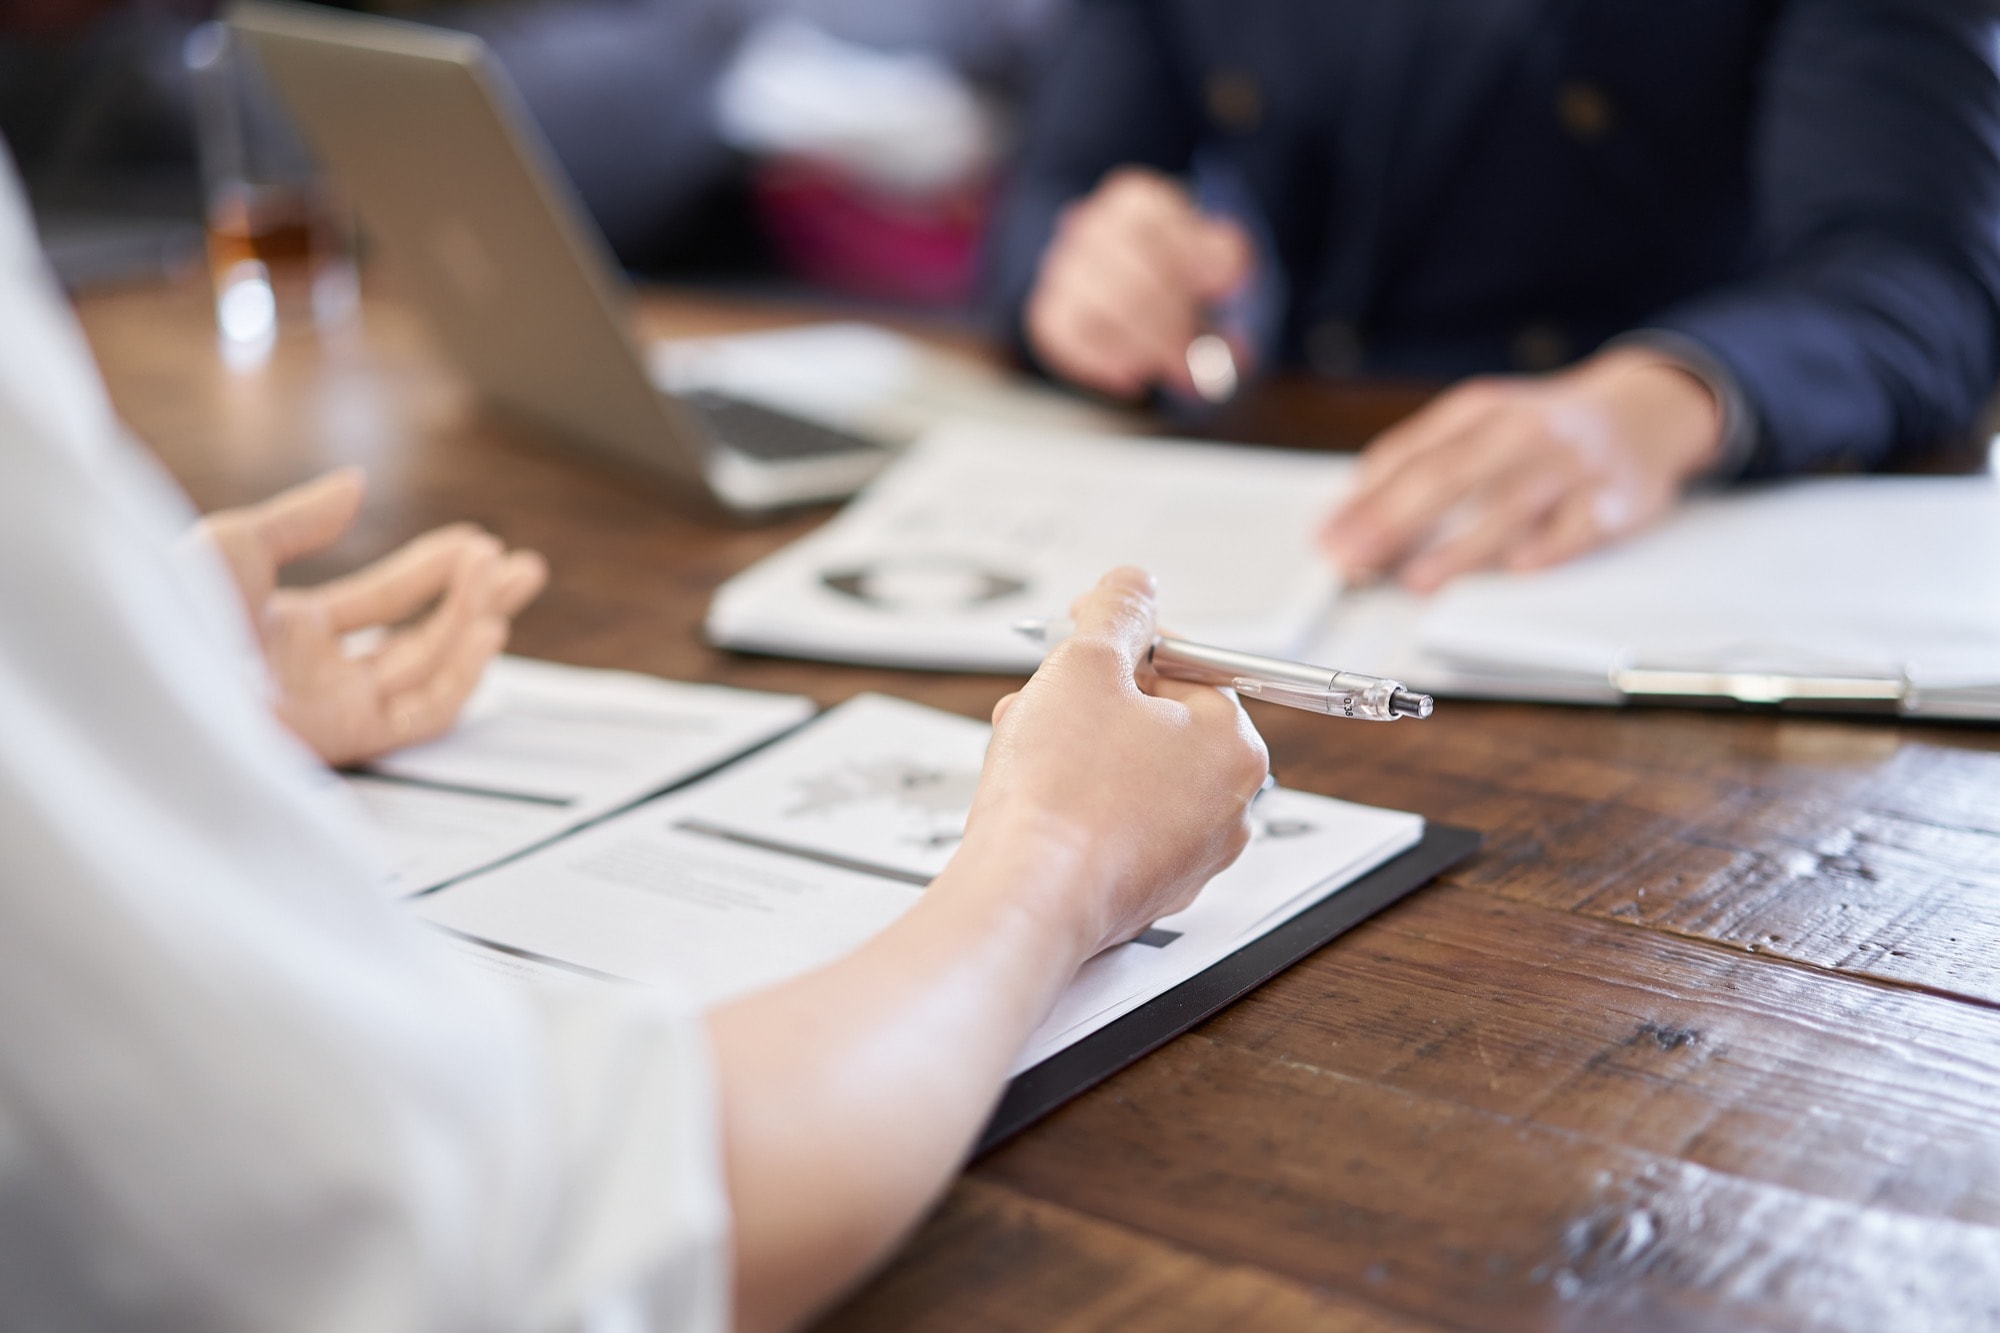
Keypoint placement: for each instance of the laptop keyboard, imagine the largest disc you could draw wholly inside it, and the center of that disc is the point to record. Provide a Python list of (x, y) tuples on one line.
[(766, 433)]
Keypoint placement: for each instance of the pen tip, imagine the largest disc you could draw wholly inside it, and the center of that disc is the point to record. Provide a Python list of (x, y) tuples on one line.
[(1404, 703)]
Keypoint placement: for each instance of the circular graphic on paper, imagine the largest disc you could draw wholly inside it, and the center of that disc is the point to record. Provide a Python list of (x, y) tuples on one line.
[(925, 584)]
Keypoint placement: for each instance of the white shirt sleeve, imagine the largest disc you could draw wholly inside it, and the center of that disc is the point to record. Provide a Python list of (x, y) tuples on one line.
[(238, 1089)]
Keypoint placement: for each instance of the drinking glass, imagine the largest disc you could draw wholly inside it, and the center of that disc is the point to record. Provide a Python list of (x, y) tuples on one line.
[(280, 243)]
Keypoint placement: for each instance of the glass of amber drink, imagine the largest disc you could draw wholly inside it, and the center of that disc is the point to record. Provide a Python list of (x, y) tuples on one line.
[(280, 244)]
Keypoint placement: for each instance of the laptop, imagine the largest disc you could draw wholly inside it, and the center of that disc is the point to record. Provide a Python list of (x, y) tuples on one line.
[(425, 133)]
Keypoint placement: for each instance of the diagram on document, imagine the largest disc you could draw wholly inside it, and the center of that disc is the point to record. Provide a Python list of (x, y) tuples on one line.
[(877, 783)]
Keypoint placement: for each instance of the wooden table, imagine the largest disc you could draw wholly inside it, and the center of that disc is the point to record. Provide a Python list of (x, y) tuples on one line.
[(1707, 1037)]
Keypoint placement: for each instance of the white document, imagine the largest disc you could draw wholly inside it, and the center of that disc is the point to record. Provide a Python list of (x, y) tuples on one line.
[(978, 527), (869, 382), (542, 748), (1882, 577), (798, 854)]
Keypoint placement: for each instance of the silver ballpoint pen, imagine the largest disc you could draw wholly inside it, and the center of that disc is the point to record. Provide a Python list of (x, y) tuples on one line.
[(1294, 684)]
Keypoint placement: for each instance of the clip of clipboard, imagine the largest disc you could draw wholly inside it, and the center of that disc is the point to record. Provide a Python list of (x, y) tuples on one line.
[(1762, 689)]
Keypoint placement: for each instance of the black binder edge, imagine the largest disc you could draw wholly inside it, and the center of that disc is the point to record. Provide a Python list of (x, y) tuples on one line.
[(1075, 1069)]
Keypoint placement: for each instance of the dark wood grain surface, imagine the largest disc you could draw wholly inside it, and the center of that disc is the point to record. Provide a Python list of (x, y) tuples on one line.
[(1708, 1037)]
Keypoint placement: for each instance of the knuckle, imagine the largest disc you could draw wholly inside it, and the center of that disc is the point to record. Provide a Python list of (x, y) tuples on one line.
[(1130, 581), (1089, 654), (1129, 605), (1118, 592), (1129, 182), (1485, 391), (1253, 761), (1066, 350), (1135, 192), (1045, 319), (1077, 236)]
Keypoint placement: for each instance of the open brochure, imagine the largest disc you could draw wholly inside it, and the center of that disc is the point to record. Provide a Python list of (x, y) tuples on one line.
[(543, 748), (980, 526), (793, 856), (1881, 592)]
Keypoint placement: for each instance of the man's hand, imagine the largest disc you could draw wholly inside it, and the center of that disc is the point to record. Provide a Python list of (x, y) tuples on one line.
[(1125, 282), (407, 687), (1523, 473), (1145, 782)]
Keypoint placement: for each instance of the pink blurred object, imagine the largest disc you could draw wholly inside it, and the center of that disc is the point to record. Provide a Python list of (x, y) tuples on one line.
[(852, 236)]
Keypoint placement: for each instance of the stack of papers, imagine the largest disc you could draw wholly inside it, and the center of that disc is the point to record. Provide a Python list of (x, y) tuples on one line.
[(795, 855), (542, 749), (979, 526)]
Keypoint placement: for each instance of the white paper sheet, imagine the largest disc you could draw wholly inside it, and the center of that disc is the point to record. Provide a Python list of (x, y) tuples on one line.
[(978, 527), (1877, 576), (799, 853), (1870, 574), (542, 748)]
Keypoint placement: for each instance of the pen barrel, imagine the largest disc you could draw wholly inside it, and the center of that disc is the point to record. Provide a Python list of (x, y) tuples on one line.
[(1293, 684), (1204, 665)]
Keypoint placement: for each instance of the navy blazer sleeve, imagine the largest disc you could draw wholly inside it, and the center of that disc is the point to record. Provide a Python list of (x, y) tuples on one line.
[(1873, 323)]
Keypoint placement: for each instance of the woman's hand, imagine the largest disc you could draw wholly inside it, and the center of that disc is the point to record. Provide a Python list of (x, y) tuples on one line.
[(1141, 785), (441, 604), (850, 1095)]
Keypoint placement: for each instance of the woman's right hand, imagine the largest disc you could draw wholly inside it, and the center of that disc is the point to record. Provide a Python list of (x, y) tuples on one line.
[(1139, 786)]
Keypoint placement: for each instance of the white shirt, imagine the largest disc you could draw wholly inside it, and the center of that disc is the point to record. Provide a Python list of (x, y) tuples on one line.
[(238, 1090)]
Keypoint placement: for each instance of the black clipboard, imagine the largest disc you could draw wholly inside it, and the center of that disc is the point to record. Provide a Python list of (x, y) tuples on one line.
[(1073, 1070)]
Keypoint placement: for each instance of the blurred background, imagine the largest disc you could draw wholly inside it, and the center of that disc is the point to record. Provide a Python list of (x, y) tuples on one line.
[(844, 146)]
